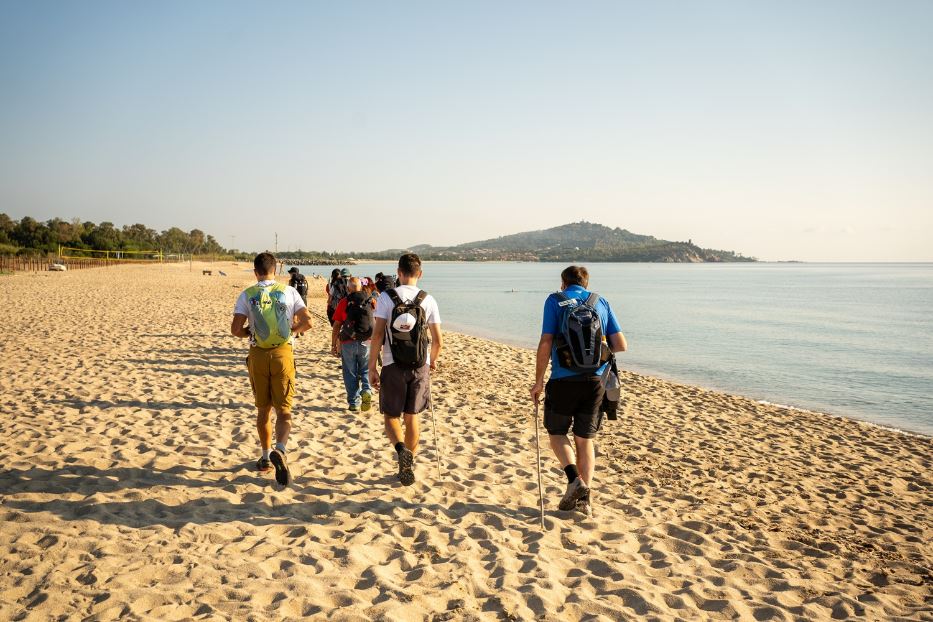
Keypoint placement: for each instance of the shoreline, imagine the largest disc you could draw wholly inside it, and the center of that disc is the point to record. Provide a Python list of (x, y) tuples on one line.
[(658, 375), (130, 489)]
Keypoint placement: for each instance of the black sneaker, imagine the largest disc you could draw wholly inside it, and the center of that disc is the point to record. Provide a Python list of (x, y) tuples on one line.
[(263, 465), (406, 472), (575, 491), (282, 475)]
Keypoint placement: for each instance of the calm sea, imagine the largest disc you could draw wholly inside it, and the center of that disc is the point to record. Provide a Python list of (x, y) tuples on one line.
[(849, 339)]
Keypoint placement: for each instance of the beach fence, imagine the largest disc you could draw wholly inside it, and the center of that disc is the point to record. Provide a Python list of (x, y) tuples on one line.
[(81, 258)]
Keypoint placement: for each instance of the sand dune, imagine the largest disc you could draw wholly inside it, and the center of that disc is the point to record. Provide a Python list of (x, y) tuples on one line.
[(127, 490)]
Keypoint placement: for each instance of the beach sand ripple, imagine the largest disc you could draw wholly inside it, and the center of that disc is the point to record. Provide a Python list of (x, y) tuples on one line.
[(128, 489)]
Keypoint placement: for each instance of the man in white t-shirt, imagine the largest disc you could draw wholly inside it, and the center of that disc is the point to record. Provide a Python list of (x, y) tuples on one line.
[(274, 312), (405, 385)]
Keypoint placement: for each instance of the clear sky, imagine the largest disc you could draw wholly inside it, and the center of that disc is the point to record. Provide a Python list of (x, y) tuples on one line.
[(783, 130)]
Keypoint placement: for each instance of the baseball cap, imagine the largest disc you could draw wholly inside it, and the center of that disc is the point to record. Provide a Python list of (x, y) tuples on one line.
[(345, 272), (404, 323), (293, 270)]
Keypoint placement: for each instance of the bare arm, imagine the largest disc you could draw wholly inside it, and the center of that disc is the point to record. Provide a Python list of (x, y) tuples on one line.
[(302, 321), (436, 343), (542, 358), (375, 346), (617, 343), (238, 326)]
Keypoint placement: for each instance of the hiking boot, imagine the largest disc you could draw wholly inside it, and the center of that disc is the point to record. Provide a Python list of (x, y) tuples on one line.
[(367, 398), (263, 465), (353, 408), (584, 505), (575, 491), (282, 475), (406, 472)]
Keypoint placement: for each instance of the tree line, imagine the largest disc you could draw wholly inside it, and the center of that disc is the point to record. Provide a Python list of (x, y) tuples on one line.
[(28, 235)]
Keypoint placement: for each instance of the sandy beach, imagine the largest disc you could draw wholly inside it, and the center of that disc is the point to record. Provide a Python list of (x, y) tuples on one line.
[(128, 489)]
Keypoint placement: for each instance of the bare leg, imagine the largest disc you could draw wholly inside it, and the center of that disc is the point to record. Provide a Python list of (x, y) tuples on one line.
[(562, 448), (586, 458), (264, 427), (394, 429), (283, 426), (412, 432)]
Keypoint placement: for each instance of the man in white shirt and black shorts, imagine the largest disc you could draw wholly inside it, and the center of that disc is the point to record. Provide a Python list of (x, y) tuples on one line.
[(405, 386)]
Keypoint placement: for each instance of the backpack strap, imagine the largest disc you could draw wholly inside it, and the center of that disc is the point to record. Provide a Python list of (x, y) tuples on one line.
[(394, 296), (593, 300), (420, 297)]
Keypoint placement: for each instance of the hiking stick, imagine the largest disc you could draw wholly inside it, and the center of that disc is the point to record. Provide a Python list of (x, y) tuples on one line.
[(437, 447), (538, 463)]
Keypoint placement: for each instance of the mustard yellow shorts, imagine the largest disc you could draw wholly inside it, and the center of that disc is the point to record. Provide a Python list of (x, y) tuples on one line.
[(272, 376)]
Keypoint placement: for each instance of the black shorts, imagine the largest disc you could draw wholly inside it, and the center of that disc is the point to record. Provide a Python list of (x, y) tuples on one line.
[(404, 391), (573, 402)]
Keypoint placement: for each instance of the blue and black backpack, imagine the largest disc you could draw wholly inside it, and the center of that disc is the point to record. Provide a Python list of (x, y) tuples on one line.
[(580, 345)]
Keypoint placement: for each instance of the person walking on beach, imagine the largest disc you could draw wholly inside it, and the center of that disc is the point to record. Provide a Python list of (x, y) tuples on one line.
[(576, 321), (268, 313), (299, 282), (336, 291), (405, 316), (350, 340)]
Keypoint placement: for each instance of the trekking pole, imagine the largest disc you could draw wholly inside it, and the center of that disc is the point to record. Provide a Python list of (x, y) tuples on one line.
[(538, 463), (437, 447)]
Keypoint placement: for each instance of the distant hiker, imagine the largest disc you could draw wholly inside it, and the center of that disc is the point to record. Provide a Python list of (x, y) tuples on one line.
[(576, 324), (385, 281), (273, 312), (404, 317), (300, 283), (336, 291), (350, 339)]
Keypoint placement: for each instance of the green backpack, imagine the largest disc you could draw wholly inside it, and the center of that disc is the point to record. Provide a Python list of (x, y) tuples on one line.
[(268, 315)]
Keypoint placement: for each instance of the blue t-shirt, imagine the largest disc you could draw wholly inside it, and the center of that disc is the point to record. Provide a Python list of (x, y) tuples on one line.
[(551, 325)]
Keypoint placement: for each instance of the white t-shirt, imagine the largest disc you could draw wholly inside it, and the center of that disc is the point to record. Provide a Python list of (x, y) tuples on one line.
[(384, 306), (293, 302)]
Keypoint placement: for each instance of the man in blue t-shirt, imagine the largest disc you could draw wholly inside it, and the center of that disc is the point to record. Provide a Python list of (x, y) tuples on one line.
[(572, 400)]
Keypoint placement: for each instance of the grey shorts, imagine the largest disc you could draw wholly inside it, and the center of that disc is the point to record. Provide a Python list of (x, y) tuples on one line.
[(404, 391)]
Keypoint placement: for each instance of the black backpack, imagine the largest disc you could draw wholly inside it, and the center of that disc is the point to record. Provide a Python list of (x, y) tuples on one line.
[(338, 291), (580, 346), (359, 323), (409, 348), (301, 284)]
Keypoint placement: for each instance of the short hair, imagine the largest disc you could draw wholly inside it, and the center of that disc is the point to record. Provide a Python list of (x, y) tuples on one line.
[(354, 284), (575, 275), (409, 264), (264, 263)]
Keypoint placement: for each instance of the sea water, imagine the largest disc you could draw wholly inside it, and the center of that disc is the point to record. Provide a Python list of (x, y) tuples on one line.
[(854, 340)]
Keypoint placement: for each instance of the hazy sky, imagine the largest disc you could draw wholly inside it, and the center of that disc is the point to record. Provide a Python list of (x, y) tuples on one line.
[(784, 130)]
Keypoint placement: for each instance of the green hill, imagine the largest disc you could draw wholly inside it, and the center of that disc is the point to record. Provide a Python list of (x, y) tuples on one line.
[(579, 241)]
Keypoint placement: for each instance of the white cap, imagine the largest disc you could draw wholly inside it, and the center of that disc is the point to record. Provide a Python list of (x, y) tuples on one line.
[(404, 323)]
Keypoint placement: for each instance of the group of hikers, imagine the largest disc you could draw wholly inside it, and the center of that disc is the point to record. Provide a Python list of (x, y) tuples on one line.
[(389, 321)]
